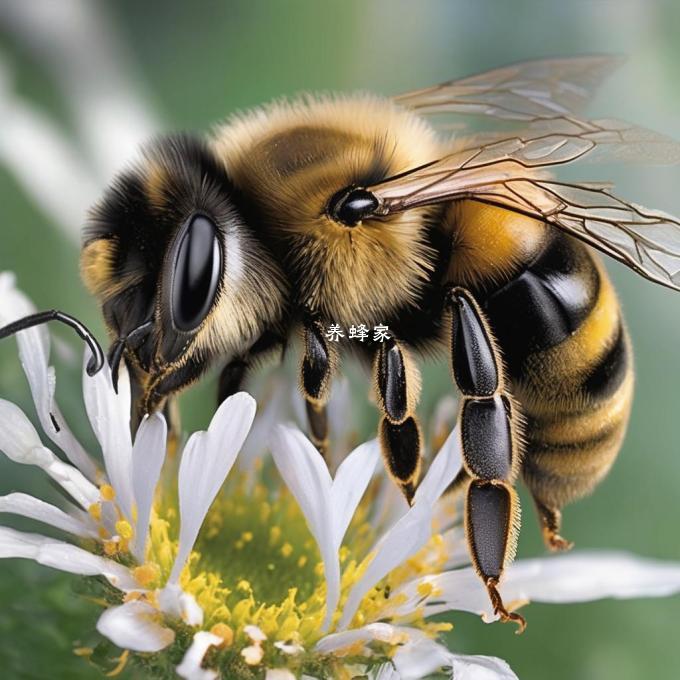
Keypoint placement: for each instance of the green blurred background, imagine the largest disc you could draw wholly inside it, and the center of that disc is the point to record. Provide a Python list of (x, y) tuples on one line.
[(197, 62)]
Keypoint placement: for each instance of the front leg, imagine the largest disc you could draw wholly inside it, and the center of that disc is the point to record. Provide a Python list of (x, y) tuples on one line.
[(316, 371), (397, 381), (232, 377), (490, 438)]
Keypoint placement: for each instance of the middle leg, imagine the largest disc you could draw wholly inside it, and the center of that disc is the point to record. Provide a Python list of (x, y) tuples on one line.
[(318, 364), (397, 382)]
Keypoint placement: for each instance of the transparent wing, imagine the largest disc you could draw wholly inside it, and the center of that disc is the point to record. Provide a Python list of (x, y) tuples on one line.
[(528, 91), (511, 172)]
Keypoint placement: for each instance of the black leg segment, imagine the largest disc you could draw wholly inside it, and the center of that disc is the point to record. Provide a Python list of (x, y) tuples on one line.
[(487, 438), (392, 381), (316, 371), (474, 361), (401, 446), (316, 362)]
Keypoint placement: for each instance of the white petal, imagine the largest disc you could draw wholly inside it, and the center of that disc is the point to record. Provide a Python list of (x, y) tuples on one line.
[(584, 576), (134, 626), (422, 657), (63, 556), (328, 505), (71, 480), (18, 437), (389, 505), (411, 532), (306, 475), (578, 577), (148, 454), (34, 351), (206, 461), (21, 443), (349, 485), (34, 508), (385, 672), (109, 415), (175, 602), (442, 471), (404, 539), (278, 674), (382, 632), (255, 633), (190, 668), (480, 668), (291, 648)]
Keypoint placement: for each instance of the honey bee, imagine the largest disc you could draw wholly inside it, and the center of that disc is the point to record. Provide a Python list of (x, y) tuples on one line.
[(348, 209)]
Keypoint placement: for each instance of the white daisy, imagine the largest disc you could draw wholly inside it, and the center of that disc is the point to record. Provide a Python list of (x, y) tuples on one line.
[(328, 577)]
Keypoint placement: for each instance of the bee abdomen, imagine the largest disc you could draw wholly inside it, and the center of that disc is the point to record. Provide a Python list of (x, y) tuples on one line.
[(569, 451), (568, 353)]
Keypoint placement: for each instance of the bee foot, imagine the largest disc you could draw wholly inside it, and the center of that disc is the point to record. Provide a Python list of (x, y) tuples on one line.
[(556, 543), (500, 609)]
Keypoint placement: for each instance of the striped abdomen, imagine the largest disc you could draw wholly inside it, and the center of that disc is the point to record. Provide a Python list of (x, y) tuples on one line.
[(566, 348), (568, 353)]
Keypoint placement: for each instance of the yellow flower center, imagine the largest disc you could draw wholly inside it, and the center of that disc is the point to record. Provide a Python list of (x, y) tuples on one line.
[(256, 563)]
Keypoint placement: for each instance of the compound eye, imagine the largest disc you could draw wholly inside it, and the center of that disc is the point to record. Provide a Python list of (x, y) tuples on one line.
[(197, 265), (351, 206)]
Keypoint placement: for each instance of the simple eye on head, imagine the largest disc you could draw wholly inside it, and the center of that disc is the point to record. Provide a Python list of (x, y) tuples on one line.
[(350, 206), (196, 266)]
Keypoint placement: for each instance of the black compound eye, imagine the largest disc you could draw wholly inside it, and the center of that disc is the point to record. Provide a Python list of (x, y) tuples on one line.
[(197, 264), (349, 207)]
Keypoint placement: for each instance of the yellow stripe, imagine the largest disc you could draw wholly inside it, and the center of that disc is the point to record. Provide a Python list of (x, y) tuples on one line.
[(560, 476), (490, 243), (563, 427)]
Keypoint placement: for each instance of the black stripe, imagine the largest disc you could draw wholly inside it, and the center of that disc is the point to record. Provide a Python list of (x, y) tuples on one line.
[(537, 446), (546, 303), (605, 377)]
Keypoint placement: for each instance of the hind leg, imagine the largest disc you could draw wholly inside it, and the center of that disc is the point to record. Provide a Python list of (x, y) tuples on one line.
[(551, 525), (490, 442)]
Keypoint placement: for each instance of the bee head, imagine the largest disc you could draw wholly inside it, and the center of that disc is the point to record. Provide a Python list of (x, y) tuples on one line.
[(179, 275)]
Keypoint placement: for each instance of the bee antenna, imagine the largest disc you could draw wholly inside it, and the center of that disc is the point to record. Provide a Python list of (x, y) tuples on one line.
[(131, 339), (96, 362)]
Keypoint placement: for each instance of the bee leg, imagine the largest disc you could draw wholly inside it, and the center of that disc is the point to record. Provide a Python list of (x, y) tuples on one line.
[(397, 382), (490, 446), (551, 523), (316, 370), (234, 373), (317, 418), (231, 378)]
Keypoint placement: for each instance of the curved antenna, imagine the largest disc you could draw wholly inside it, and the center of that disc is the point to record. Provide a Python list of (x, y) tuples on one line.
[(96, 362)]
